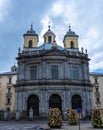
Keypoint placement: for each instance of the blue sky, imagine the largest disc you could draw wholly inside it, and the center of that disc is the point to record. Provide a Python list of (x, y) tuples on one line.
[(84, 16)]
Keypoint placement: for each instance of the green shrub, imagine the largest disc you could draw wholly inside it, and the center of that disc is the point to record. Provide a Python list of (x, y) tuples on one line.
[(72, 117), (97, 118), (55, 118)]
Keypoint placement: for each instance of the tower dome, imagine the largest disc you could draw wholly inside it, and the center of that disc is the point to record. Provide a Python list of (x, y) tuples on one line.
[(14, 68), (71, 33), (30, 32)]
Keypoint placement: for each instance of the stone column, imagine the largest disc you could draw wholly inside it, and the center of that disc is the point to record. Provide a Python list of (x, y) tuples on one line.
[(84, 114), (31, 114), (84, 106), (66, 70), (44, 69)]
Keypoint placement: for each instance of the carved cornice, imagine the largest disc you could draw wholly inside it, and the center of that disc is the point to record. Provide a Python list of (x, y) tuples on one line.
[(54, 82)]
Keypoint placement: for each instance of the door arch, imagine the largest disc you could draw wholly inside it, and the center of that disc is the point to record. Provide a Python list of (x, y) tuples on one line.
[(33, 102), (55, 101), (76, 101)]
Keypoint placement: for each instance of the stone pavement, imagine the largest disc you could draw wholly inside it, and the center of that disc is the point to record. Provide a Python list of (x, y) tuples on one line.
[(42, 125)]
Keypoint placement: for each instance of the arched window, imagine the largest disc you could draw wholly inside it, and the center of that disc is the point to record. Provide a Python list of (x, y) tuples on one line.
[(72, 44), (45, 40), (49, 39), (30, 43)]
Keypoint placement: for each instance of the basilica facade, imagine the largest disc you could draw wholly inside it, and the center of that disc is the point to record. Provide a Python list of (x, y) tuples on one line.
[(51, 76)]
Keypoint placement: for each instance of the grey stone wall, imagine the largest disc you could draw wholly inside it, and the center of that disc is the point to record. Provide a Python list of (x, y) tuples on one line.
[(45, 86)]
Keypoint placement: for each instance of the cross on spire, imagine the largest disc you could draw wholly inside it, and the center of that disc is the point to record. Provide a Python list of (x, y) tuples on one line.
[(69, 27), (49, 25), (31, 26)]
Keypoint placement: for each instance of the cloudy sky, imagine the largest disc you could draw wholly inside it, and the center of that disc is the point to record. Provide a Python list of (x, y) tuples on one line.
[(84, 16)]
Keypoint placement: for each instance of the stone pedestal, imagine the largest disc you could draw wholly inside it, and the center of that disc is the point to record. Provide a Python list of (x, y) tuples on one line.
[(65, 116), (31, 114), (5, 115), (17, 115), (84, 115)]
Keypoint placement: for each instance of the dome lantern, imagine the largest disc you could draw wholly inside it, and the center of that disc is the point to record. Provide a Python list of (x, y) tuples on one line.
[(49, 36)]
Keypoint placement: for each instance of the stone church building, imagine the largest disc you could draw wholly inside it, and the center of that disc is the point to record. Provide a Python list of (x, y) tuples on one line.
[(52, 76)]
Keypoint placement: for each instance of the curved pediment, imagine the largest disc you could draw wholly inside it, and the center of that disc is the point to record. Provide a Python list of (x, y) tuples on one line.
[(54, 52)]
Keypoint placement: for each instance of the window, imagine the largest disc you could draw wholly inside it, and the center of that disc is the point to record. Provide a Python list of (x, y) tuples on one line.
[(54, 71), (10, 79), (33, 72), (8, 100), (96, 81), (72, 44), (98, 100), (97, 90), (8, 109), (9, 90), (30, 43), (49, 39), (75, 73)]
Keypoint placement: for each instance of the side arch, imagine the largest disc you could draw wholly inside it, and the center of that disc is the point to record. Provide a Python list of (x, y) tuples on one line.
[(33, 102), (76, 101)]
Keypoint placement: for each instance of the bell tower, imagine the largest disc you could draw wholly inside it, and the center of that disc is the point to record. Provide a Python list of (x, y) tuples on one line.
[(71, 40), (30, 39)]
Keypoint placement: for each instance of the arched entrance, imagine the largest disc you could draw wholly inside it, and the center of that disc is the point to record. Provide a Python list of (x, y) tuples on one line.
[(33, 102), (55, 102), (76, 101)]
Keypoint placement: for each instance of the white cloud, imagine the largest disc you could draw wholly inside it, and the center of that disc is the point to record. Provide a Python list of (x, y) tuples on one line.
[(93, 32), (94, 66), (93, 42), (4, 8), (57, 8), (45, 23), (96, 61), (86, 21), (67, 13), (90, 39)]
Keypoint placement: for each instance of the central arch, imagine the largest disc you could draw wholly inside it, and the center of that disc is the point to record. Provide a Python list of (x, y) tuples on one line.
[(33, 102), (55, 101), (76, 101)]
